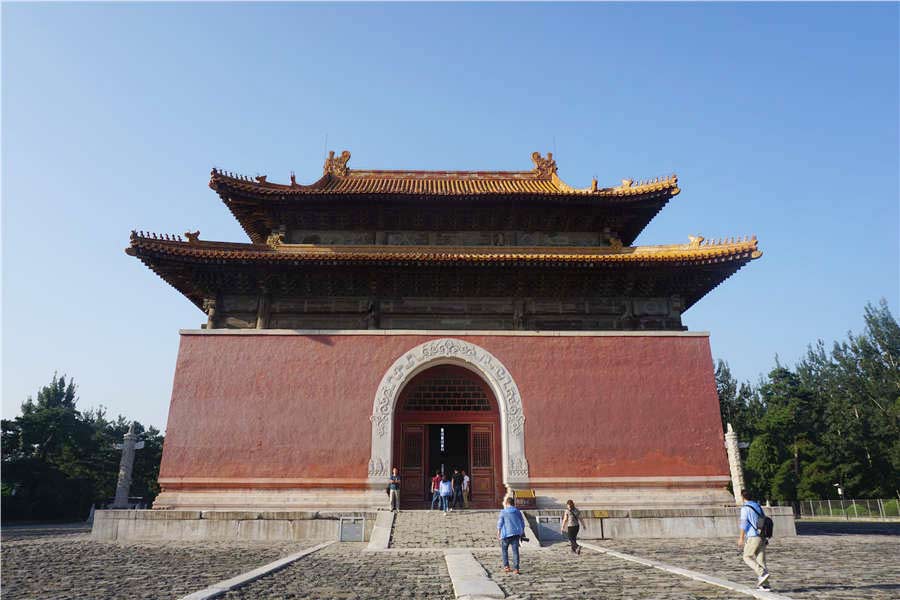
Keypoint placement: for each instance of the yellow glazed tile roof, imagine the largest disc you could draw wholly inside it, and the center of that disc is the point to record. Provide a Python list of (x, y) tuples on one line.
[(339, 179), (697, 250)]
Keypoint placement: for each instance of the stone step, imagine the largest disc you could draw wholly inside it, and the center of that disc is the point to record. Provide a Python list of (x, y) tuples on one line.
[(436, 529)]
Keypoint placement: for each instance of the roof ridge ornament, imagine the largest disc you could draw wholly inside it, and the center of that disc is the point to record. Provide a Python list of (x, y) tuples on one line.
[(543, 167), (337, 165), (275, 239)]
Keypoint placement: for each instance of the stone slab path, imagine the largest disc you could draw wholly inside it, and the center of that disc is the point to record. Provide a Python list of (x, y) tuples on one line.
[(470, 580)]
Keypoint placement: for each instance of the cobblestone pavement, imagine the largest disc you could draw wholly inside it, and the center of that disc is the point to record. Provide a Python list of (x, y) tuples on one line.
[(555, 573), (434, 529), (73, 566), (342, 571), (55, 563), (19, 532), (832, 567)]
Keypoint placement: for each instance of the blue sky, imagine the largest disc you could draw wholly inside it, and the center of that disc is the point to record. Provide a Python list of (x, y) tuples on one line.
[(780, 121)]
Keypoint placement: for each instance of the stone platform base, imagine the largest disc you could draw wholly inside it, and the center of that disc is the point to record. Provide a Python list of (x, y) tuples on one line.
[(609, 493), (673, 523), (254, 526), (280, 526)]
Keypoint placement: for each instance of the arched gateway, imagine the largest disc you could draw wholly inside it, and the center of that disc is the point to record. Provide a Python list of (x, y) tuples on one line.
[(495, 411)]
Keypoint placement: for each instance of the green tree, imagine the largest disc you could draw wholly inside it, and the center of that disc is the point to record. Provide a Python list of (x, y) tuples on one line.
[(729, 407), (58, 461)]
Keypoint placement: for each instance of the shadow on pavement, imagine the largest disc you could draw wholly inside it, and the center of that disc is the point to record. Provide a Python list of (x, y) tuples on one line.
[(847, 528)]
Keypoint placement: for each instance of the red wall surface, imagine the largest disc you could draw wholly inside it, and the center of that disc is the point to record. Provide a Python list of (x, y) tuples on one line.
[(296, 406)]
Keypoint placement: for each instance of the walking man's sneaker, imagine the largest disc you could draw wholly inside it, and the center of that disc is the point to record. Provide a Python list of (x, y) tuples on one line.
[(764, 588), (763, 578)]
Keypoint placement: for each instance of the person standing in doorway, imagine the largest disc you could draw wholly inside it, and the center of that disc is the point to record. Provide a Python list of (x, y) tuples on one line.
[(465, 488), (457, 489), (446, 490), (751, 540), (571, 523), (394, 489), (436, 489), (510, 526)]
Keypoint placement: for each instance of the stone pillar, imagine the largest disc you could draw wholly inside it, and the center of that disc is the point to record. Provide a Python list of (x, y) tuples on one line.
[(734, 463), (126, 465)]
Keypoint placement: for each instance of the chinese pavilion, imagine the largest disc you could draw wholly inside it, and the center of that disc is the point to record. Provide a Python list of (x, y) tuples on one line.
[(498, 321)]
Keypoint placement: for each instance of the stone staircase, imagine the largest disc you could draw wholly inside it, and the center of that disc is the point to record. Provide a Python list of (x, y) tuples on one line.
[(435, 529)]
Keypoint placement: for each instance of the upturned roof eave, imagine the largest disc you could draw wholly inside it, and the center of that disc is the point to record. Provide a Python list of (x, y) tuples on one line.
[(697, 250)]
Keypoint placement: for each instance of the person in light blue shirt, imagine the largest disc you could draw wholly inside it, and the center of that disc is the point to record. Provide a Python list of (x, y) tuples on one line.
[(753, 544), (446, 490), (510, 526)]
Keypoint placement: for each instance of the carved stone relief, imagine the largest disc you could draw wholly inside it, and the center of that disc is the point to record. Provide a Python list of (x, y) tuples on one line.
[(478, 360)]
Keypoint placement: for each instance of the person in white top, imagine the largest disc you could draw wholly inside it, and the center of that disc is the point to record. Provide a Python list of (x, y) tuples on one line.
[(465, 489), (446, 490)]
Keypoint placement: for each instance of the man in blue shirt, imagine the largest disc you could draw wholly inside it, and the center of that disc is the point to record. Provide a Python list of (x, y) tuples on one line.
[(753, 544), (510, 526)]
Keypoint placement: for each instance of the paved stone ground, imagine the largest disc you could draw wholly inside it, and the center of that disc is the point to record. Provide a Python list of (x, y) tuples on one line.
[(56, 562), (830, 566), (554, 573), (434, 529), (343, 571), (51, 564), (21, 532)]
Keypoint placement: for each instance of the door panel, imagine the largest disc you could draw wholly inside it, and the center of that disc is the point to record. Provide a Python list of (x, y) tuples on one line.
[(412, 465), (483, 482)]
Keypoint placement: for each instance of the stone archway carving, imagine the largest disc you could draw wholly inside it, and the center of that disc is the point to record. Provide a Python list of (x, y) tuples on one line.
[(474, 358)]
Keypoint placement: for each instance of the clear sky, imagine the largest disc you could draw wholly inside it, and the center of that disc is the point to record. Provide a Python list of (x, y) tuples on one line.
[(780, 121)]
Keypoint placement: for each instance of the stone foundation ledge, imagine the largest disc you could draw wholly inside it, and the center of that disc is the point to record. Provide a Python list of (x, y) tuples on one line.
[(697, 522), (196, 525)]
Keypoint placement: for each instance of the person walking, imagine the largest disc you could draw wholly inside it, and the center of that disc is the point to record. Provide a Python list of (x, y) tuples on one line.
[(446, 490), (751, 540), (571, 523), (457, 489), (465, 489), (510, 527), (394, 489), (436, 489)]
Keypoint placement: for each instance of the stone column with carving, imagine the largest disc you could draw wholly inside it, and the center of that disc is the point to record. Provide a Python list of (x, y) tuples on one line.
[(734, 463), (126, 466)]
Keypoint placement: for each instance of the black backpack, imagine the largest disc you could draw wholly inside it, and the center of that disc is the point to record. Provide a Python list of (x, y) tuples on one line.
[(765, 529)]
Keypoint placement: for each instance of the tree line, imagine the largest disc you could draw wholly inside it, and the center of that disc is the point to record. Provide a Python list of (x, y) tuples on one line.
[(59, 461), (834, 418)]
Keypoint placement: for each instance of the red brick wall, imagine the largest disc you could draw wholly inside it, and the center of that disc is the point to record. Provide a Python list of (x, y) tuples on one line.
[(272, 406)]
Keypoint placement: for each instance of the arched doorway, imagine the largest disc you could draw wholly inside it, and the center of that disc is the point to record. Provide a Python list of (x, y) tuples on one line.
[(447, 417)]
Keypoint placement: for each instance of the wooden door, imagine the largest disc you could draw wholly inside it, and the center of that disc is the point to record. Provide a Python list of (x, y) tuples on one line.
[(483, 480), (412, 465)]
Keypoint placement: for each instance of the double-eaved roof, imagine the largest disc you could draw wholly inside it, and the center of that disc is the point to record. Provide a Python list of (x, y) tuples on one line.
[(691, 270)]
